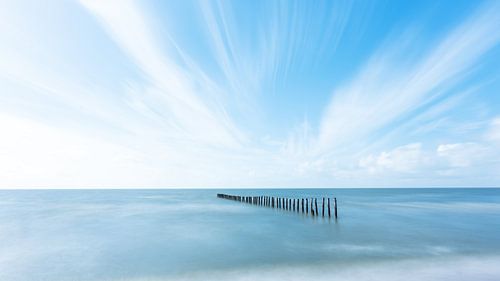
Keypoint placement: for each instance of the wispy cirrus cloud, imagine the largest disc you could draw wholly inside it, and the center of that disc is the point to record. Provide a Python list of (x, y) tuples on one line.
[(175, 88), (179, 114), (393, 85)]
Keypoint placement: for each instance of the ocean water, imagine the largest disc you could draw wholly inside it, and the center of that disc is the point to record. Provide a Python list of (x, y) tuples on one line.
[(138, 235)]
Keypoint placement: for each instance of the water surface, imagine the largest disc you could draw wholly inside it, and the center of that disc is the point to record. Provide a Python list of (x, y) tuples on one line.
[(381, 234)]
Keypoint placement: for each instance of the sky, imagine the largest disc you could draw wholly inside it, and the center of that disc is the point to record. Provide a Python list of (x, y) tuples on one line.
[(146, 94)]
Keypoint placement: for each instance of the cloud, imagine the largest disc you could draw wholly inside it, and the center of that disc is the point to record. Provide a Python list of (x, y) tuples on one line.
[(493, 133), (172, 120), (461, 155), (176, 90), (403, 159), (393, 84), (36, 155)]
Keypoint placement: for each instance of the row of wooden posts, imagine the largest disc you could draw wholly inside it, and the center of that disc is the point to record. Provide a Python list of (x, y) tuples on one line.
[(295, 205)]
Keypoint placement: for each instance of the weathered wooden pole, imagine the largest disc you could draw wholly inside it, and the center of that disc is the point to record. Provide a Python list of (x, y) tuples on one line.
[(335, 200), (323, 209), (312, 209), (307, 207), (316, 206), (329, 214), (302, 205)]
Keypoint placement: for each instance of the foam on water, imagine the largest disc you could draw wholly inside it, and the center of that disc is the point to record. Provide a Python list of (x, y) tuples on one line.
[(452, 269)]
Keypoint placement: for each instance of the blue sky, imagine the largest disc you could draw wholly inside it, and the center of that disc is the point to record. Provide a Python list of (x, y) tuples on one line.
[(249, 93)]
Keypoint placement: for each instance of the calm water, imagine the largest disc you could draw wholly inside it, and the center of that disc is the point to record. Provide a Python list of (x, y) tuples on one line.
[(381, 234)]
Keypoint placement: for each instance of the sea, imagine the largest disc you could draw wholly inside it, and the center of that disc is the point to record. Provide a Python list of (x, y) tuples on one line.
[(190, 234)]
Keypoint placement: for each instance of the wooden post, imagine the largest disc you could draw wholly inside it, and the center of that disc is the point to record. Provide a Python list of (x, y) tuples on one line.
[(335, 206), (323, 209), (302, 205), (329, 214), (316, 206), (312, 209), (307, 207)]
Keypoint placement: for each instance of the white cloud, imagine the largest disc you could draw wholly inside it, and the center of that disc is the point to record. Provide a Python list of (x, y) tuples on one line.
[(33, 154), (493, 133), (389, 87), (170, 126), (404, 159), (461, 155), (177, 91)]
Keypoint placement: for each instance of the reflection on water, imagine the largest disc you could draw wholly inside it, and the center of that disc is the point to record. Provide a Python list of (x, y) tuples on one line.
[(192, 235)]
